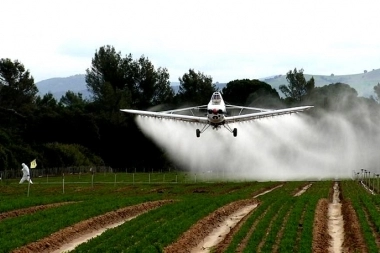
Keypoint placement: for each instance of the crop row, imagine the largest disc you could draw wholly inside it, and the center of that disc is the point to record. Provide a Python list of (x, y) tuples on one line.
[(367, 208), (195, 201), (282, 223), (160, 227)]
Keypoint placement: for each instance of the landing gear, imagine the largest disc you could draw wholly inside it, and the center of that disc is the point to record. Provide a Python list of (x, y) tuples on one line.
[(233, 131), (198, 132)]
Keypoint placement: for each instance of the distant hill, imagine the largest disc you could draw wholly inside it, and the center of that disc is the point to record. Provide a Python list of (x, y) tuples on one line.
[(363, 83), (58, 86)]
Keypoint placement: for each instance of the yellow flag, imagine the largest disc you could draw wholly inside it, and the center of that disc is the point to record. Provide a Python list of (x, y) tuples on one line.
[(33, 164)]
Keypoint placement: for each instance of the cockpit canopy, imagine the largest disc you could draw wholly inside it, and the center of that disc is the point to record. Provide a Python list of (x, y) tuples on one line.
[(216, 98)]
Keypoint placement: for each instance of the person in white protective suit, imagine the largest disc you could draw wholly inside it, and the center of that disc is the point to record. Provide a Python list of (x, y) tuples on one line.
[(25, 174)]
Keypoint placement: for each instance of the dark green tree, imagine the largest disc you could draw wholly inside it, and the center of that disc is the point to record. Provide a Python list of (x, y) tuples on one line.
[(106, 80), (118, 83), (334, 97), (377, 91), (151, 86), (250, 93), (123, 82), (195, 88), (48, 101), (17, 88), (297, 86), (73, 100)]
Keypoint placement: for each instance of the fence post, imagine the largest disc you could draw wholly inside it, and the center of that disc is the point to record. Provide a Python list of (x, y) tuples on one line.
[(28, 185)]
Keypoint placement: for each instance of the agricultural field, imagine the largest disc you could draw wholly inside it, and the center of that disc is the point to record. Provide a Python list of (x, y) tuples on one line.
[(157, 212)]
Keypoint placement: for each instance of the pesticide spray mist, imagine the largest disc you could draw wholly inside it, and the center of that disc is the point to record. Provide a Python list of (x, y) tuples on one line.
[(291, 147)]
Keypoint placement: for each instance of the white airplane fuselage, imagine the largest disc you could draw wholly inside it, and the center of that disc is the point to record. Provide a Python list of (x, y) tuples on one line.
[(216, 110)]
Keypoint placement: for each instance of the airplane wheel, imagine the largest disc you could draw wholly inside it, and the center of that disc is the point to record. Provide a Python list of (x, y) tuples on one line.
[(234, 132), (198, 132)]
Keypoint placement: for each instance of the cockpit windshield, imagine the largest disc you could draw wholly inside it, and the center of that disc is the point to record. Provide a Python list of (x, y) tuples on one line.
[(216, 98)]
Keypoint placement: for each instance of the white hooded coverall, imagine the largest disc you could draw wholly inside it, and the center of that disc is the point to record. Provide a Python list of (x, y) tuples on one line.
[(25, 174)]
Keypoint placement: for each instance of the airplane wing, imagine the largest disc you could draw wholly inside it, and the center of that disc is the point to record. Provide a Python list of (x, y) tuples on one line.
[(248, 108), (192, 110), (169, 115), (265, 114)]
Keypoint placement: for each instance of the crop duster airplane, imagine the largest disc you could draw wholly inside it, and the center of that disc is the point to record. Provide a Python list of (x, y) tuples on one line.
[(216, 114)]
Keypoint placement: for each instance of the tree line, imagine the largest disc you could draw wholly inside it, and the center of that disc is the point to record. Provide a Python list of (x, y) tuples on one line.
[(74, 131)]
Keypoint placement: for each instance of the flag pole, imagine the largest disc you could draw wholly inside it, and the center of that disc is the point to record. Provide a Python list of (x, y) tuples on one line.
[(33, 164)]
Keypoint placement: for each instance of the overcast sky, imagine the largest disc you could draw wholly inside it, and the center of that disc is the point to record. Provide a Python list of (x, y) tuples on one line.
[(226, 40)]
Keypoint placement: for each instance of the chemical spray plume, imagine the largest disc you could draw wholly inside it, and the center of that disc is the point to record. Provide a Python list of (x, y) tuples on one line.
[(289, 147)]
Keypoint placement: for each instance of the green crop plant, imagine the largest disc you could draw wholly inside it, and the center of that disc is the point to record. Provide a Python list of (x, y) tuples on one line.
[(354, 191)]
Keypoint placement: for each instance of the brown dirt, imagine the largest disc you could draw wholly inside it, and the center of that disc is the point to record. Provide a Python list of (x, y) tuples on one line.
[(353, 237), (30, 210), (63, 236), (192, 237), (321, 237)]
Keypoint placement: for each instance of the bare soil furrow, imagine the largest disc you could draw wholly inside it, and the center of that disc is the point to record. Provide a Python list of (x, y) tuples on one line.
[(223, 245), (192, 237), (335, 221), (30, 210), (321, 237), (353, 236), (66, 235)]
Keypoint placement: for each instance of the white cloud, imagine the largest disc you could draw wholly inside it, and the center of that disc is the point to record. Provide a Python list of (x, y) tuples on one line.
[(224, 39)]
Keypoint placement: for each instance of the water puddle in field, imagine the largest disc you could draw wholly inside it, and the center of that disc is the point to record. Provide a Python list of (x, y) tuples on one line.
[(219, 233), (278, 186), (302, 190), (86, 237), (335, 222), (67, 239)]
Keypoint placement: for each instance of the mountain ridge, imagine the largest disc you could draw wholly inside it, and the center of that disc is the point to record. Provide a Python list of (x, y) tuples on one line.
[(363, 83)]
